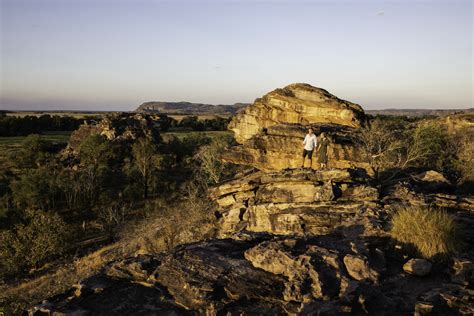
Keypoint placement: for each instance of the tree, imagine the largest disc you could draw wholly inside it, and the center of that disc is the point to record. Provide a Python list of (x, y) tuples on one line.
[(40, 237), (33, 152), (211, 166), (144, 155), (94, 152)]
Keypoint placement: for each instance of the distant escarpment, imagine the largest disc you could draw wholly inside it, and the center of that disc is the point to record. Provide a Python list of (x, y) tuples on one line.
[(190, 108)]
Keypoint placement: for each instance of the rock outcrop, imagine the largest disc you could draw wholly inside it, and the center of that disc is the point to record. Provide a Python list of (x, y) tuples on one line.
[(271, 130), (293, 241), (296, 202), (264, 275), (119, 127)]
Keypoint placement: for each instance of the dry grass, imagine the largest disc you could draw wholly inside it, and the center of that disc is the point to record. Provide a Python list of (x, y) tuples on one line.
[(163, 227), (431, 231), (26, 293)]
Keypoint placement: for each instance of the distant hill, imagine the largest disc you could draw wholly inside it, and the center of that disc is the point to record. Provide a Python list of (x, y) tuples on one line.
[(418, 112), (190, 108)]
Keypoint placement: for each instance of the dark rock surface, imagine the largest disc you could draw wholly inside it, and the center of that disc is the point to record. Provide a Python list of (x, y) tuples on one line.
[(267, 275)]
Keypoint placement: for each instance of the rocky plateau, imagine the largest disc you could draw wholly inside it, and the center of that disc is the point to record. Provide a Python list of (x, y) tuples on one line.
[(293, 241)]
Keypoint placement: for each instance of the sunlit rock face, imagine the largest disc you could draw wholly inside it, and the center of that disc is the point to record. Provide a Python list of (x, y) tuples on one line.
[(296, 103), (296, 202), (272, 129)]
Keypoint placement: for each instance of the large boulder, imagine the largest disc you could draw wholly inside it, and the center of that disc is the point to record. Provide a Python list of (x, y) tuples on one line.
[(297, 103), (271, 130)]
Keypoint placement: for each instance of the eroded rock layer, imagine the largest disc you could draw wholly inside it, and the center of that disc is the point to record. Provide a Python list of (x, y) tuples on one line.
[(265, 275), (295, 201), (297, 103)]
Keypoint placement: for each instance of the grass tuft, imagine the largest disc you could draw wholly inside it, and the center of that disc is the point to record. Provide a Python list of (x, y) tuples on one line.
[(432, 232)]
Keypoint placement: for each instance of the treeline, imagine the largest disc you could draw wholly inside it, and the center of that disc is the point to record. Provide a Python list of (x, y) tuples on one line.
[(193, 123), (22, 126)]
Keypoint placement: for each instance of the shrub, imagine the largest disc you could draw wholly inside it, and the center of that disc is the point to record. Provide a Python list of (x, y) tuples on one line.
[(42, 237), (210, 165), (431, 231)]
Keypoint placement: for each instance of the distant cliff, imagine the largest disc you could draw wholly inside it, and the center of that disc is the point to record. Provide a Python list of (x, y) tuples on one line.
[(189, 108)]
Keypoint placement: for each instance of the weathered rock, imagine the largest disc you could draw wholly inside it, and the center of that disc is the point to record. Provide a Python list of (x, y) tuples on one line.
[(302, 202), (462, 271), (295, 104), (358, 267), (261, 274), (418, 267), (271, 130), (120, 127), (269, 152), (447, 299)]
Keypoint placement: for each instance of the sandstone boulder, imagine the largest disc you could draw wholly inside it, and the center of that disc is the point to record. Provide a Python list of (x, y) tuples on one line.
[(295, 104), (418, 267), (296, 201), (271, 130), (358, 268)]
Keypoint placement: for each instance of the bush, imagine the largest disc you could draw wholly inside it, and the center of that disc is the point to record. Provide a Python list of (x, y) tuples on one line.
[(210, 165), (431, 231), (42, 237)]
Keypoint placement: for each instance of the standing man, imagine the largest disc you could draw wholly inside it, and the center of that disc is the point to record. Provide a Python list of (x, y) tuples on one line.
[(310, 142)]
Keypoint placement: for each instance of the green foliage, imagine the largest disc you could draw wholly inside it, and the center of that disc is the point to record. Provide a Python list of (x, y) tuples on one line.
[(35, 188), (210, 165), (33, 152), (95, 150), (20, 126), (427, 143), (186, 147), (41, 237), (432, 232), (146, 160), (397, 145)]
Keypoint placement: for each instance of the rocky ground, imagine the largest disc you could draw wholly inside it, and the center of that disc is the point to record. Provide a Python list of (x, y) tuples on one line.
[(293, 241)]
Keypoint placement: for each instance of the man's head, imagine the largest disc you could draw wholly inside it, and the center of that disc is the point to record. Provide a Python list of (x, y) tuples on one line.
[(310, 131)]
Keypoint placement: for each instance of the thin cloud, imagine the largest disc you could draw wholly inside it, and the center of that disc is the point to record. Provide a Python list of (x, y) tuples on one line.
[(380, 13)]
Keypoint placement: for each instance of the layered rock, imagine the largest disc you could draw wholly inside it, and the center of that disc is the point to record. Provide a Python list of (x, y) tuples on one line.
[(264, 275), (295, 202), (297, 103), (271, 130)]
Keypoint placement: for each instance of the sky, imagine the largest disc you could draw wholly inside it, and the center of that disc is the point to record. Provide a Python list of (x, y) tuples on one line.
[(117, 54)]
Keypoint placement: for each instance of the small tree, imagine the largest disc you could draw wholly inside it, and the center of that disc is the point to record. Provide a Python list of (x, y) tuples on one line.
[(144, 154), (32, 154), (94, 153), (210, 164)]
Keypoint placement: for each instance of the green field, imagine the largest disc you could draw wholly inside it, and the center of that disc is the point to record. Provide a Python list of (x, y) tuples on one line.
[(58, 137), (9, 145)]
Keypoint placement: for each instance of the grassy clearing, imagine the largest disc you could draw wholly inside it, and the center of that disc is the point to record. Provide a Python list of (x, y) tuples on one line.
[(432, 232), (56, 136)]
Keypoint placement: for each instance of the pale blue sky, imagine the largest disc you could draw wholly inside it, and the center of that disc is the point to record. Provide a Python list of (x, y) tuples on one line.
[(114, 55)]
